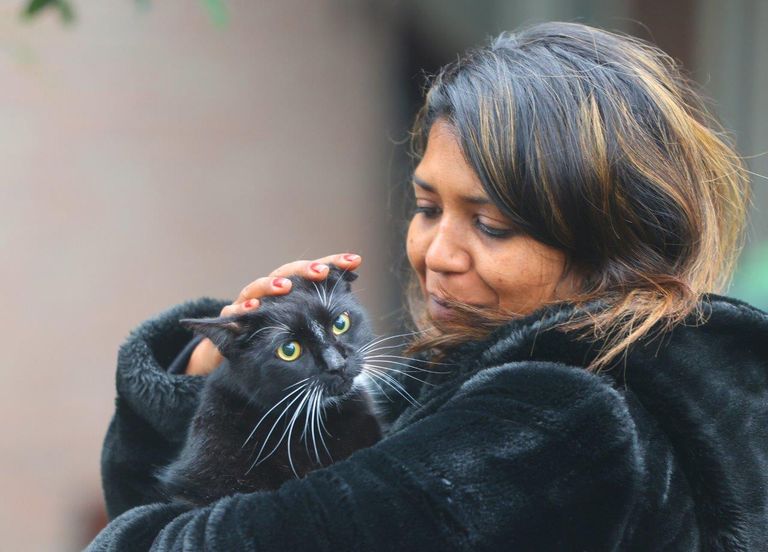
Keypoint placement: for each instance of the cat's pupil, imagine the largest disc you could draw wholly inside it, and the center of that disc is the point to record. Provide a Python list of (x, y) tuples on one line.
[(341, 324), (289, 351)]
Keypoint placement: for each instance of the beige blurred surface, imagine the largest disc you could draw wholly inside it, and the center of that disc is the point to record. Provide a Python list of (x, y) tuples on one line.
[(149, 158)]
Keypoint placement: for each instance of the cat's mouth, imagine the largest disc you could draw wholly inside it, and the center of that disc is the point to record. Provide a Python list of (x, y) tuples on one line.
[(338, 386)]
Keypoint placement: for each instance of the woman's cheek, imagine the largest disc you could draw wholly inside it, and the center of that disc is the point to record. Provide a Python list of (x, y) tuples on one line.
[(415, 249)]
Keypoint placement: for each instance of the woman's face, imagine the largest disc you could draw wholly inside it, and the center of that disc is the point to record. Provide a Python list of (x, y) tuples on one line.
[(460, 244)]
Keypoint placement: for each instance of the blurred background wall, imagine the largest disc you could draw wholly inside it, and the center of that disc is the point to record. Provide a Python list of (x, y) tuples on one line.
[(154, 152)]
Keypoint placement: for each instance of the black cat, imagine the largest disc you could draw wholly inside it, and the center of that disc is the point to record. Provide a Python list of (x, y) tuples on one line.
[(289, 397)]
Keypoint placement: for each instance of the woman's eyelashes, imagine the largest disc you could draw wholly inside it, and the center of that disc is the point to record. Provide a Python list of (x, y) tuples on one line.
[(431, 212), (494, 232)]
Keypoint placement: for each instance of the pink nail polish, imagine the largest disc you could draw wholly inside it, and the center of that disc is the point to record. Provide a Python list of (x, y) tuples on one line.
[(351, 258), (317, 267)]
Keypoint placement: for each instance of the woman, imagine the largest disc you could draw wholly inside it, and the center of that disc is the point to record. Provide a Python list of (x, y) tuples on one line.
[(575, 207)]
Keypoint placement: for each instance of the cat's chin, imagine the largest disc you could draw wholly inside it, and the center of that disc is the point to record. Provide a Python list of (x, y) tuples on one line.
[(339, 388)]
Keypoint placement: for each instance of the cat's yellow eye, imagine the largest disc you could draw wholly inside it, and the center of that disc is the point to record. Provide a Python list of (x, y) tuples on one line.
[(341, 324), (289, 351)]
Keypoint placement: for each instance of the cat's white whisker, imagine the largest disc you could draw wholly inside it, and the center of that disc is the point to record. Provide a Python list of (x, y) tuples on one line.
[(367, 383), (290, 431), (309, 421), (287, 429), (311, 394), (321, 423), (409, 359), (297, 383), (315, 412), (321, 418), (271, 409), (321, 294), (341, 277), (397, 385), (377, 341), (383, 347), (307, 418), (387, 338), (286, 329), (381, 358), (274, 425), (318, 293), (397, 371), (394, 384), (382, 338), (372, 373), (374, 382)]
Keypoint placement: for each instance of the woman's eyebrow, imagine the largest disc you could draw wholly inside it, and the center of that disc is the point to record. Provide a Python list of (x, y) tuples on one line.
[(474, 200)]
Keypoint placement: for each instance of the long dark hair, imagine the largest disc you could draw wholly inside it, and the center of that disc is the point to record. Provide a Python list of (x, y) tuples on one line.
[(597, 144)]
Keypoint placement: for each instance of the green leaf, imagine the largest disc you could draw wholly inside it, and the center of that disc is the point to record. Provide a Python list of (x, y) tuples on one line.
[(217, 11), (36, 5), (34, 8), (751, 280)]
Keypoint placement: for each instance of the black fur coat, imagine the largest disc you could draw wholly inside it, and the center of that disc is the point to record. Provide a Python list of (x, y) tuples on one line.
[(518, 449)]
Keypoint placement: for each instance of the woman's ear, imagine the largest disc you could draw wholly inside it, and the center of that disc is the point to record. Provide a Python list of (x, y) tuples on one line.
[(223, 331)]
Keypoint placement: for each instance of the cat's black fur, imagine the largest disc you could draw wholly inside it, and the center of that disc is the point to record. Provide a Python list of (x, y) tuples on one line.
[(239, 395)]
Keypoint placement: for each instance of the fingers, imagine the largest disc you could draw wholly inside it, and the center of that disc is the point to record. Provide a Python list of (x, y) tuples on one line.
[(277, 282), (267, 285), (318, 269), (239, 308)]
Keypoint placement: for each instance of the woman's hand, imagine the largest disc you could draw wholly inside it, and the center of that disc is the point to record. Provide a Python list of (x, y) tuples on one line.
[(206, 357)]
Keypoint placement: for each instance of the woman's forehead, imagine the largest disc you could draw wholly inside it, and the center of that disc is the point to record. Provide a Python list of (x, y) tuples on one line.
[(443, 167), (475, 196)]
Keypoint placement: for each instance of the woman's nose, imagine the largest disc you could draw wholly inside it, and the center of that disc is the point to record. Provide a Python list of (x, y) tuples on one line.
[(446, 252)]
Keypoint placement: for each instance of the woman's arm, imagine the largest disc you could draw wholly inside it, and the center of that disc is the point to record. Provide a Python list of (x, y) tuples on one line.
[(528, 456), (153, 407)]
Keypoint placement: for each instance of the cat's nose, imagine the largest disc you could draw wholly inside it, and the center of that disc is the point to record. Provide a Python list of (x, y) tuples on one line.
[(334, 362)]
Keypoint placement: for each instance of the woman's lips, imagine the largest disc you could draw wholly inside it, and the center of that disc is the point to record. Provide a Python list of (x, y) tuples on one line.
[(437, 309)]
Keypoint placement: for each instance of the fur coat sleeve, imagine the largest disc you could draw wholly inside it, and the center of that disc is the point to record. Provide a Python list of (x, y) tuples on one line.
[(499, 458), (153, 408)]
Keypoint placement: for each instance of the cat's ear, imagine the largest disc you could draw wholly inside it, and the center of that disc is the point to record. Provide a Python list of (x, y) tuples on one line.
[(223, 331), (335, 273), (349, 276)]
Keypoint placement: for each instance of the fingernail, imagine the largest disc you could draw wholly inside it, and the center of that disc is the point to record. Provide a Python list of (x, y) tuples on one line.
[(249, 303), (318, 267), (280, 282), (351, 257)]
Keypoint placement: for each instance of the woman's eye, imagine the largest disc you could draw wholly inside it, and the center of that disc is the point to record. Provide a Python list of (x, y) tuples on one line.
[(289, 351), (341, 324), (429, 212), (432, 212), (493, 232)]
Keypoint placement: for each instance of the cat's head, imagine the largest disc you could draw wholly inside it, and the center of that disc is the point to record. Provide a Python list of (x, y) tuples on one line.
[(313, 335)]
